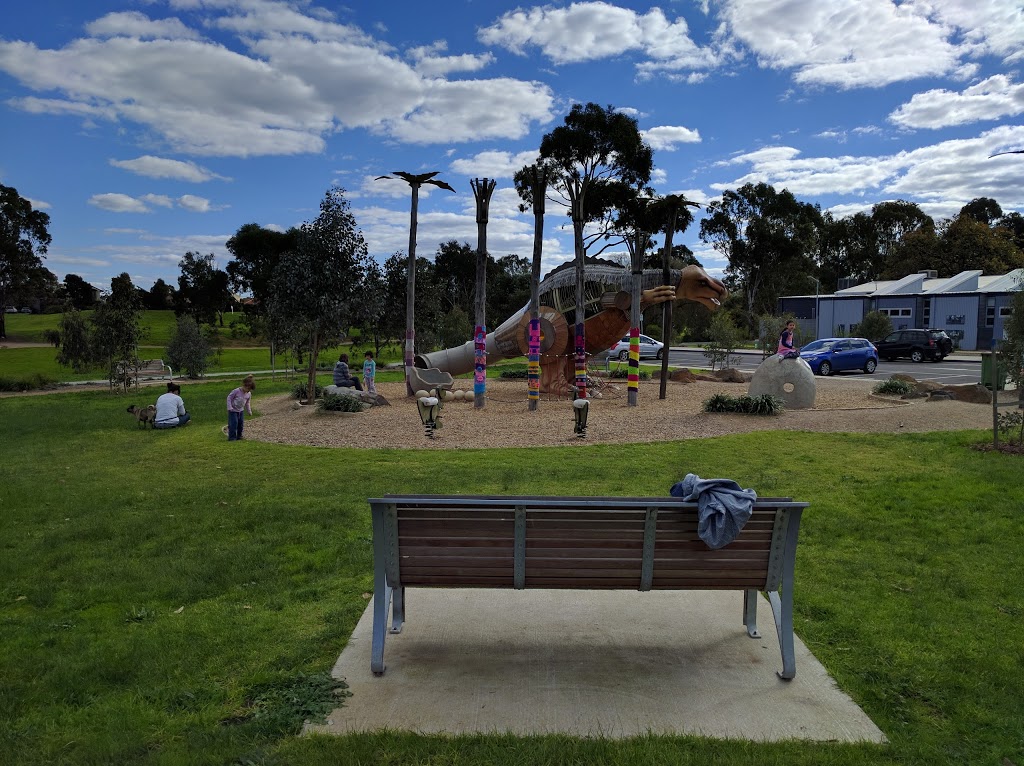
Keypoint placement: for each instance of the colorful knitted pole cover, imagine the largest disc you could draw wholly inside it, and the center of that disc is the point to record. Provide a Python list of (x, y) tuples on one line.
[(480, 361), (581, 362), (533, 367), (634, 359)]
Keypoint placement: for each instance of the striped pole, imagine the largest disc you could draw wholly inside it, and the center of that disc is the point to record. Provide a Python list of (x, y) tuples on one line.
[(634, 364), (581, 362), (479, 362), (533, 367)]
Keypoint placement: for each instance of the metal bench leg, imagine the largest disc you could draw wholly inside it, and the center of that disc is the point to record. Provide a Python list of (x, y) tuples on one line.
[(381, 602), (750, 612), (397, 609), (782, 609)]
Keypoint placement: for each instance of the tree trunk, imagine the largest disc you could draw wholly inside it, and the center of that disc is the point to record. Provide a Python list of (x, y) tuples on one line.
[(633, 381), (482, 190), (314, 352), (410, 295), (581, 334), (533, 370), (666, 311)]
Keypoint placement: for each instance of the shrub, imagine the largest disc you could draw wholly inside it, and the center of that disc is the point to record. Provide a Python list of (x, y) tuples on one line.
[(188, 350), (514, 372), (299, 390), (31, 383), (725, 337), (339, 403), (623, 372), (719, 403), (874, 326), (893, 386), (765, 404)]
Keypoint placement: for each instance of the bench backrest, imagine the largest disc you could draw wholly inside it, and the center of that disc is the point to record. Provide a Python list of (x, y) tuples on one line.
[(576, 542)]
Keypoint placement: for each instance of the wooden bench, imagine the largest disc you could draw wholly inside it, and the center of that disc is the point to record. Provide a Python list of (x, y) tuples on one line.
[(642, 543)]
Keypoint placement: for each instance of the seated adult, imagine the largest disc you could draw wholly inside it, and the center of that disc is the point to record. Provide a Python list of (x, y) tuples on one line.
[(170, 409), (343, 377)]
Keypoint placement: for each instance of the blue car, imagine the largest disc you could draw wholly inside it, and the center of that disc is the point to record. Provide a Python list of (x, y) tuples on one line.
[(828, 355)]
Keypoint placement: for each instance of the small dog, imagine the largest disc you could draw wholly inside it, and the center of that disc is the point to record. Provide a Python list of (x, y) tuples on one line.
[(144, 415)]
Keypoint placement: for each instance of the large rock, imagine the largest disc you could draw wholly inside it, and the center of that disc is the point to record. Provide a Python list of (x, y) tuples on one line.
[(374, 400), (732, 375), (789, 379), (971, 392)]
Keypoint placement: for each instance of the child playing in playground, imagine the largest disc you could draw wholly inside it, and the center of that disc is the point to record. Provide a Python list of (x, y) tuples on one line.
[(238, 404), (369, 373)]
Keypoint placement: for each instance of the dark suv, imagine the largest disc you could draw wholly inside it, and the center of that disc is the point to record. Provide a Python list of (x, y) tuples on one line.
[(917, 344)]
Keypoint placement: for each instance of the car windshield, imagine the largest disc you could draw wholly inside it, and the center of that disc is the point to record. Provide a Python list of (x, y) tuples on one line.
[(817, 346)]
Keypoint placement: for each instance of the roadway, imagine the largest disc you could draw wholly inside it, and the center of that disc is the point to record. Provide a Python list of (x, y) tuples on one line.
[(953, 370)]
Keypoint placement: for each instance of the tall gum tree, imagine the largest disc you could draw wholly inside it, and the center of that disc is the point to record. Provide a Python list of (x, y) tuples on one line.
[(594, 147), (24, 237), (317, 285)]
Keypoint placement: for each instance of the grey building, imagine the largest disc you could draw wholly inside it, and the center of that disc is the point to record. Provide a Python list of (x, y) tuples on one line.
[(971, 308)]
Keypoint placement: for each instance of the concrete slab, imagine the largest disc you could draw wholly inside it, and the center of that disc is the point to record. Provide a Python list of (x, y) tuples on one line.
[(589, 663)]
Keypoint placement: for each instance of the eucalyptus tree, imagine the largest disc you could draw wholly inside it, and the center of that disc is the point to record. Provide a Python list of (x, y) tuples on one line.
[(415, 182), (24, 237), (317, 285), (594, 147), (768, 237)]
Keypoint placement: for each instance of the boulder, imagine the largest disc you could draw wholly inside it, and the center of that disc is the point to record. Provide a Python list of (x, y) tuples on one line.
[(682, 376), (789, 379), (970, 392), (374, 400), (732, 375)]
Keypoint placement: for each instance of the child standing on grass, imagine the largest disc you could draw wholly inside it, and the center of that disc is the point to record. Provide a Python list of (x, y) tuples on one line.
[(369, 373), (238, 404)]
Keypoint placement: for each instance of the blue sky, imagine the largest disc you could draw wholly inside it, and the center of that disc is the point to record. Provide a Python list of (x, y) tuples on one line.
[(148, 128)]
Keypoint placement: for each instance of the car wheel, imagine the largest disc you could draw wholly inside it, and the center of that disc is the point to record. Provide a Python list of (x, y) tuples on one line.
[(825, 369), (917, 355), (623, 356), (869, 366), (659, 354)]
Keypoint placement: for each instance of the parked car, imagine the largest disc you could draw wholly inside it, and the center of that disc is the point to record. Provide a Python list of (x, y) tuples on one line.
[(26, 310), (916, 344), (828, 355), (648, 347), (10, 310)]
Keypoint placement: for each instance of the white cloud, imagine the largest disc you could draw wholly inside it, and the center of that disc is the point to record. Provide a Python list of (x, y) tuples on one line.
[(944, 174), (160, 167), (586, 31), (38, 204), (297, 78), (136, 24), (160, 200), (666, 137), (993, 98), (430, 64), (494, 164), (848, 43), (118, 203), (194, 203)]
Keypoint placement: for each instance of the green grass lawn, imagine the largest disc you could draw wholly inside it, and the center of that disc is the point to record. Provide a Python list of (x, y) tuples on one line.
[(169, 598)]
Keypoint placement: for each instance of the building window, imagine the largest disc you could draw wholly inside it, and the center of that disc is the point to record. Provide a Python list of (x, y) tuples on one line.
[(1005, 311), (897, 312), (926, 314), (990, 313)]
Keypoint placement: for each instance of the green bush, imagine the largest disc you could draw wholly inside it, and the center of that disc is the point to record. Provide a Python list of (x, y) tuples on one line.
[(299, 390), (893, 386), (189, 351), (514, 372), (31, 383), (339, 403), (765, 404)]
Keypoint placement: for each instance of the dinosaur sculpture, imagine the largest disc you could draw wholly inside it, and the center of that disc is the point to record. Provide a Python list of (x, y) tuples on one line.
[(607, 299)]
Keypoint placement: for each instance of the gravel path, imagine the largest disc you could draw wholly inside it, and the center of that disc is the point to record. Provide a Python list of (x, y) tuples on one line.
[(842, 405)]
